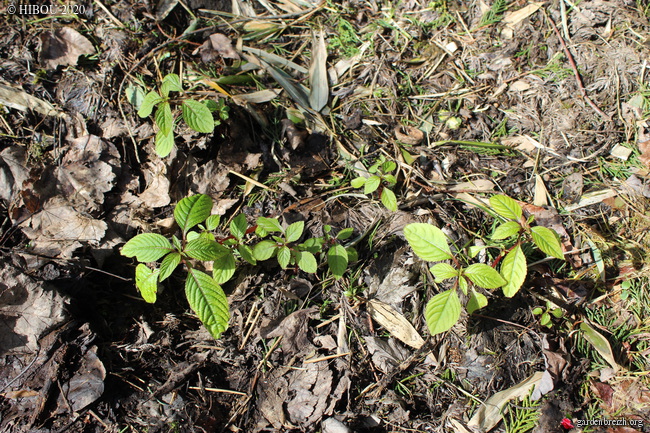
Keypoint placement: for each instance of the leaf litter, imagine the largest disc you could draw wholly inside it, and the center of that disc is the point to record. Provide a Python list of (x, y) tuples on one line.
[(464, 101)]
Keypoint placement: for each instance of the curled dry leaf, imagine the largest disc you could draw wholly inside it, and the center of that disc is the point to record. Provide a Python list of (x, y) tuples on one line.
[(217, 45), (409, 135), (63, 47)]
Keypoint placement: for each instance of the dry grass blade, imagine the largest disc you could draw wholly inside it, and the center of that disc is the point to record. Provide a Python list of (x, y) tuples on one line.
[(319, 93)]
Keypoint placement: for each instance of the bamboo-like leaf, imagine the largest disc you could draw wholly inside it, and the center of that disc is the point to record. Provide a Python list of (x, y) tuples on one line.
[(599, 343), (146, 280), (192, 210), (514, 270), (295, 90), (318, 81), (147, 247), (442, 312), (208, 301)]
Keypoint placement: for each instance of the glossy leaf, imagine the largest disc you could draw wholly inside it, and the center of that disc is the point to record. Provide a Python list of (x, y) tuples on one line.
[(294, 231), (207, 250), (389, 200), (192, 210), (168, 265), (150, 100), (506, 207), (548, 241), (238, 226), (264, 250), (484, 276), (513, 269), (224, 268), (443, 271), (198, 116), (208, 301), (306, 262), (506, 230), (147, 247), (146, 280), (337, 260), (427, 241), (212, 222), (246, 253), (442, 312)]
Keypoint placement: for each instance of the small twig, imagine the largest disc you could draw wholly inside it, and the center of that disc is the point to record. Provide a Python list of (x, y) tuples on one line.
[(110, 15), (572, 62)]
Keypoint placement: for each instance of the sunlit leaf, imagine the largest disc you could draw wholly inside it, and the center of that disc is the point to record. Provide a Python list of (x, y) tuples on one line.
[(371, 185), (164, 118), (198, 116), (294, 231), (150, 100), (442, 312), (203, 249), (514, 270), (389, 200), (146, 280), (168, 265), (476, 301), (548, 241), (337, 260), (164, 143), (427, 241), (192, 210), (306, 262), (318, 79), (506, 230), (358, 182), (269, 225), (208, 301), (147, 247), (443, 271), (238, 226), (484, 276), (264, 250), (506, 207), (224, 268)]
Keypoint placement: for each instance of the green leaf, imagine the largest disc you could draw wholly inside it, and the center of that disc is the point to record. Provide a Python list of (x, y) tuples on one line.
[(313, 245), (476, 301), (306, 262), (427, 241), (537, 311), (294, 231), (296, 91), (135, 95), (269, 225), (171, 83), (264, 250), (164, 143), (246, 253), (150, 100), (371, 185), (337, 259), (207, 300), (192, 210), (388, 166), (284, 256), (506, 207), (505, 230), (212, 222), (484, 276), (390, 179), (224, 268), (389, 200), (353, 256), (192, 235), (514, 269), (203, 249), (238, 226), (358, 182), (164, 118), (463, 284), (345, 234), (168, 265), (557, 313), (545, 320), (443, 271), (147, 247), (548, 241), (198, 116), (599, 343), (146, 280), (442, 312)]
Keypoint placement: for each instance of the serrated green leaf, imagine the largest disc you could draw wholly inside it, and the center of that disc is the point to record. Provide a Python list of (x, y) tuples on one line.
[(208, 301), (443, 271), (345, 234), (313, 245), (246, 253), (358, 182), (238, 226), (506, 207), (318, 78), (442, 312), (371, 185), (168, 265), (337, 260), (548, 241), (264, 250), (505, 230), (463, 284), (306, 262), (427, 241), (198, 116), (192, 210), (475, 249), (203, 249), (476, 302), (389, 200), (269, 225), (513, 269), (164, 118), (484, 276), (150, 100), (147, 247), (224, 268), (146, 280), (164, 143), (284, 256), (212, 222), (171, 83), (294, 231), (192, 235)]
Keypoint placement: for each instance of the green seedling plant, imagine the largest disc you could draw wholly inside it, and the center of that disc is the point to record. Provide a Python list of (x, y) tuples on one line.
[(380, 179), (546, 314), (199, 249), (196, 114), (507, 272)]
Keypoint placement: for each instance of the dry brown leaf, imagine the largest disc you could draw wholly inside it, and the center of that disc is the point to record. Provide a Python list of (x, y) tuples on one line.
[(395, 323), (644, 148), (309, 391), (20, 100), (63, 47), (293, 330), (86, 386), (157, 192), (218, 45), (13, 171), (409, 135)]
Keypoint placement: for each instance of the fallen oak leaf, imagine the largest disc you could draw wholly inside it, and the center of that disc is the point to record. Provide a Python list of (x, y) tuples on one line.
[(63, 47)]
